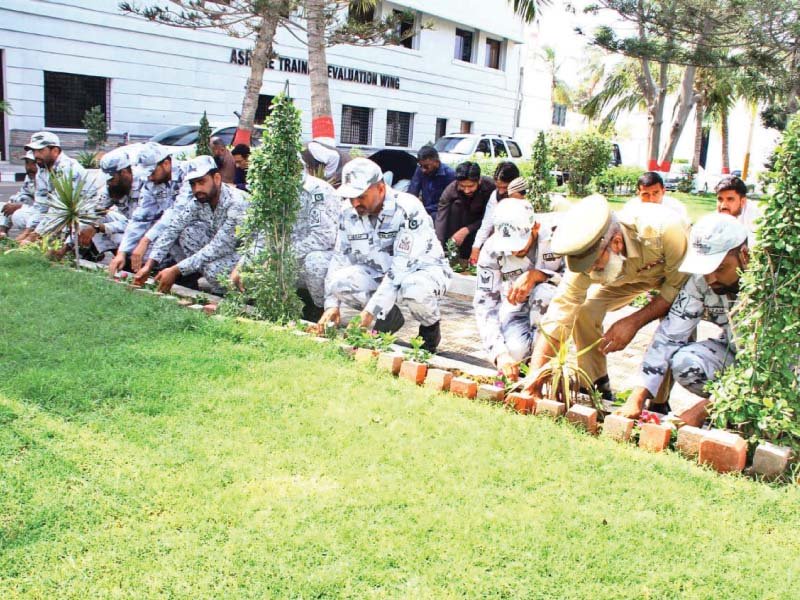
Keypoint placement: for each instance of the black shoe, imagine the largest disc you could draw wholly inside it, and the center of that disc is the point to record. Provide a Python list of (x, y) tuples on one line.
[(431, 335), (603, 386), (311, 312), (394, 320), (662, 409)]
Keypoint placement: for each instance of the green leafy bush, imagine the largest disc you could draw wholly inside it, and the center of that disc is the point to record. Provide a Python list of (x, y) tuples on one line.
[(94, 120), (760, 394), (88, 160), (274, 180), (617, 180), (582, 154)]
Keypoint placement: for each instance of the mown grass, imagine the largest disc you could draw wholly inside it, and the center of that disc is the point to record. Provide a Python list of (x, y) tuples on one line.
[(697, 205), (148, 451)]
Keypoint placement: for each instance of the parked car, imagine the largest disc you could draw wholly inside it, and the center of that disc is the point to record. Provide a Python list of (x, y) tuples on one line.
[(458, 147), (183, 138)]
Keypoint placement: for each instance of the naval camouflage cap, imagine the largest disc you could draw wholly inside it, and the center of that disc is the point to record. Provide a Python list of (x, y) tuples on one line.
[(43, 139), (114, 161), (150, 155), (357, 176)]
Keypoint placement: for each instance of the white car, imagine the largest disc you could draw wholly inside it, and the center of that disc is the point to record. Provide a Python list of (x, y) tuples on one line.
[(458, 147), (181, 140)]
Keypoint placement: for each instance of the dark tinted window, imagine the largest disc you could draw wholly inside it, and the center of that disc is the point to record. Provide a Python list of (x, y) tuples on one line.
[(513, 149), (68, 96), (182, 135), (463, 49)]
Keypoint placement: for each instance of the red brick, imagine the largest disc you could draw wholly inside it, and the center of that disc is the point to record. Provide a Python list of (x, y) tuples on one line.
[(689, 439), (413, 371), (210, 309), (725, 452), (583, 416), (490, 393), (462, 386), (365, 355), (654, 438), (389, 361), (550, 408), (618, 427), (522, 402), (770, 461), (696, 414), (438, 379)]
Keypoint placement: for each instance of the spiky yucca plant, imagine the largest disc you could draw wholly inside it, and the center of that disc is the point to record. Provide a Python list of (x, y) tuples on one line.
[(562, 378), (69, 207)]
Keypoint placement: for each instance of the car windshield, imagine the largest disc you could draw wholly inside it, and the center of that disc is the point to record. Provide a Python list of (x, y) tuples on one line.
[(455, 145), (182, 135)]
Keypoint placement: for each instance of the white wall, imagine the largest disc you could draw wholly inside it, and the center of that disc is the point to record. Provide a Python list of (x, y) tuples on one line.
[(162, 76)]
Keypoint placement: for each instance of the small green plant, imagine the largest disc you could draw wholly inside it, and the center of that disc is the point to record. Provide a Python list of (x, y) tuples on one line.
[(233, 303), (201, 298), (87, 159), (203, 147), (540, 181), (620, 180), (417, 353), (583, 155), (358, 337), (458, 264), (68, 209), (94, 120), (563, 379)]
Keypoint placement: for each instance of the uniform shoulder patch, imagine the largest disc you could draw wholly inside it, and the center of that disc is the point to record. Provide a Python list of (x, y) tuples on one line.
[(319, 197), (405, 243), (486, 279), (314, 218)]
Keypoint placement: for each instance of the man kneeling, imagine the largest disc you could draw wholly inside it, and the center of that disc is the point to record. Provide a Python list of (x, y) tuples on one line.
[(386, 255), (203, 229), (517, 277), (717, 252)]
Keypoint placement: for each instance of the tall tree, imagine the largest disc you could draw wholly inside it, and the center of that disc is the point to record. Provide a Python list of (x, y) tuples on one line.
[(259, 20)]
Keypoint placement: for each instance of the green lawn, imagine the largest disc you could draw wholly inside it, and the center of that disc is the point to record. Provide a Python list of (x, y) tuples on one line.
[(148, 451), (696, 205)]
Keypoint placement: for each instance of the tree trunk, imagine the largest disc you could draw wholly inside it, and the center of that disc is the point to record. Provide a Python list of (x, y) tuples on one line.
[(698, 134), (656, 97), (321, 114), (686, 102), (726, 162), (746, 166), (262, 53)]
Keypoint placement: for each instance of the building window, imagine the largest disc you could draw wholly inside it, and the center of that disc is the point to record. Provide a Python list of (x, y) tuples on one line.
[(441, 128), (361, 12), (263, 109), (398, 128), (67, 97), (463, 45), (559, 114), (404, 29), (493, 49), (466, 127), (356, 125)]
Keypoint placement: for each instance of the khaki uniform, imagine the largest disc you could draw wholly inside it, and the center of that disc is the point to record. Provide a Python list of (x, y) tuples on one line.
[(655, 242)]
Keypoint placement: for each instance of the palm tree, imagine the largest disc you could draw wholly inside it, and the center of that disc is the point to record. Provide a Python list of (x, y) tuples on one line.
[(560, 92), (528, 9), (69, 207), (619, 93)]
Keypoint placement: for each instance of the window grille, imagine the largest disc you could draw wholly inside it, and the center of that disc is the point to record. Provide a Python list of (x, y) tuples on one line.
[(68, 96), (398, 128), (356, 125)]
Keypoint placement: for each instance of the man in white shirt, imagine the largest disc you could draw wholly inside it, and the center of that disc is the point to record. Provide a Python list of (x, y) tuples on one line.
[(650, 189), (732, 200)]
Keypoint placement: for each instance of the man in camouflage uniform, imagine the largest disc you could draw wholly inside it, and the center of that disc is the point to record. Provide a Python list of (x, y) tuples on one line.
[(204, 230), (50, 160), (627, 253), (386, 255), (517, 277), (164, 185), (717, 251), (313, 238), (18, 210), (116, 202)]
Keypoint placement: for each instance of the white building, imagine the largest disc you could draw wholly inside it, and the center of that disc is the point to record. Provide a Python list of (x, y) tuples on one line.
[(60, 57)]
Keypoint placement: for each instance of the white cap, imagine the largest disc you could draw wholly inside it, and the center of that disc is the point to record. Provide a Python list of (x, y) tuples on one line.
[(580, 239), (513, 219), (200, 166), (150, 155), (711, 239), (114, 161), (29, 155), (357, 176)]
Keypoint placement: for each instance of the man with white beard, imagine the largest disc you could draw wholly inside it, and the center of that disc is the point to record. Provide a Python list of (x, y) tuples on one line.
[(627, 253)]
